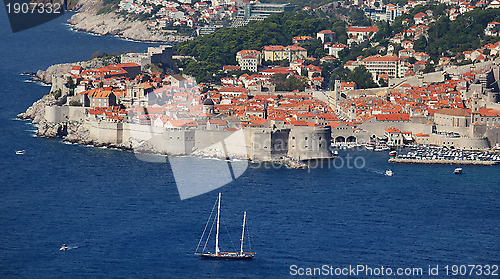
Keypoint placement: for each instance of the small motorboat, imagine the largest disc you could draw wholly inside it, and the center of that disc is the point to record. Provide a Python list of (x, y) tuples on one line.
[(20, 152), (63, 248), (389, 173), (458, 171), (393, 153)]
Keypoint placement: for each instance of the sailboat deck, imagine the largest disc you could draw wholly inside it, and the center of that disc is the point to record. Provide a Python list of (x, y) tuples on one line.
[(227, 255)]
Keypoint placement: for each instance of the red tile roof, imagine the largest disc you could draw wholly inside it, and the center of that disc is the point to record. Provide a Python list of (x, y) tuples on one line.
[(362, 29), (393, 117)]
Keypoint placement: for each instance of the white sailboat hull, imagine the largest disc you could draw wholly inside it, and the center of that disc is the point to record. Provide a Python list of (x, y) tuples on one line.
[(227, 256)]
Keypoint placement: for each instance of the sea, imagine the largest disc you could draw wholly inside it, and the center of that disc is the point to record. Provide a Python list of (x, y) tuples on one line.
[(122, 217)]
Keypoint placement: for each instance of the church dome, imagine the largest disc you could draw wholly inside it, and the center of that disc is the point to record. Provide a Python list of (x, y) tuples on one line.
[(208, 102)]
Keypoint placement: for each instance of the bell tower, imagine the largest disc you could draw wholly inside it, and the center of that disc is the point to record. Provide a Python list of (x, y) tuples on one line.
[(208, 106)]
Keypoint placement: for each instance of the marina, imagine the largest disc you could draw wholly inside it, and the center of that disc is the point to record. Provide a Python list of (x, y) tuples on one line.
[(443, 155), (442, 161)]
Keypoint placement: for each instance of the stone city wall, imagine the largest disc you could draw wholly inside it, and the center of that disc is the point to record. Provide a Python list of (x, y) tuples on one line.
[(493, 136), (378, 128), (64, 113), (459, 143)]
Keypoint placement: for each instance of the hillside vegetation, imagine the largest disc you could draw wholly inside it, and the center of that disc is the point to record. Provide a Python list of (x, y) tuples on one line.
[(108, 6), (447, 38), (464, 33), (299, 3), (217, 49)]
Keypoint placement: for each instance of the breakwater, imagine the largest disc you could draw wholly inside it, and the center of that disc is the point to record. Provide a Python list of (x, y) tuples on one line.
[(443, 162)]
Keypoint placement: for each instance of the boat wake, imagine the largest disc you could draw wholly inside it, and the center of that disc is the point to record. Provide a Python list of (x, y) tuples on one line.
[(376, 171), (221, 160), (66, 248), (67, 142)]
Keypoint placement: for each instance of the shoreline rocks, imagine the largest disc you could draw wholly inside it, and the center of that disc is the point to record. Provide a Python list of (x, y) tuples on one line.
[(76, 132), (36, 112), (112, 24), (58, 70)]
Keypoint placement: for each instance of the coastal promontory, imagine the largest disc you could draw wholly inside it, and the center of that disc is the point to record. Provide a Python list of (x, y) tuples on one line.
[(87, 18)]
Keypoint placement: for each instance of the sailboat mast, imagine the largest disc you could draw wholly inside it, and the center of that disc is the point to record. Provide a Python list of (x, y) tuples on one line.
[(243, 232), (217, 235)]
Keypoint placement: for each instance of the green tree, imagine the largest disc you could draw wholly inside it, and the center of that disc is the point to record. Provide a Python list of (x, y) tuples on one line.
[(288, 83), (57, 94), (71, 85), (361, 77), (384, 31), (145, 78), (412, 60), (429, 68), (420, 44), (75, 103), (382, 82), (314, 48), (96, 54)]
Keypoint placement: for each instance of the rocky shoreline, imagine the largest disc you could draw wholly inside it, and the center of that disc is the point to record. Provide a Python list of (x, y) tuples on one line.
[(69, 131), (58, 70), (76, 133), (112, 24)]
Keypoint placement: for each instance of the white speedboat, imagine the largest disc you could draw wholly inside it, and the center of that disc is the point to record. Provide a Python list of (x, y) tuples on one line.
[(389, 173), (20, 152), (458, 171), (63, 248)]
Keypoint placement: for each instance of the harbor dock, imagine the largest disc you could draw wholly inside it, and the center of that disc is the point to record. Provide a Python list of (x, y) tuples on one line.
[(443, 162)]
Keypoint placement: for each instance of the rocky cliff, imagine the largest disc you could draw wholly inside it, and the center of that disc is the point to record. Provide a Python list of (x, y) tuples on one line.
[(36, 113), (69, 131), (58, 70), (111, 24), (88, 20)]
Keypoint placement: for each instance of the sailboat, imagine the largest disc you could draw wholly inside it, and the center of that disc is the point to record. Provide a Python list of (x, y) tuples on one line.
[(240, 255)]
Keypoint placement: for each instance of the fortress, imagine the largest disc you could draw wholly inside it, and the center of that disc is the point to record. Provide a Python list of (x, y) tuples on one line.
[(259, 144)]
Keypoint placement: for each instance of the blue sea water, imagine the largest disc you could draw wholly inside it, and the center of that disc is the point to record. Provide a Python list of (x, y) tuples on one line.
[(124, 219)]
